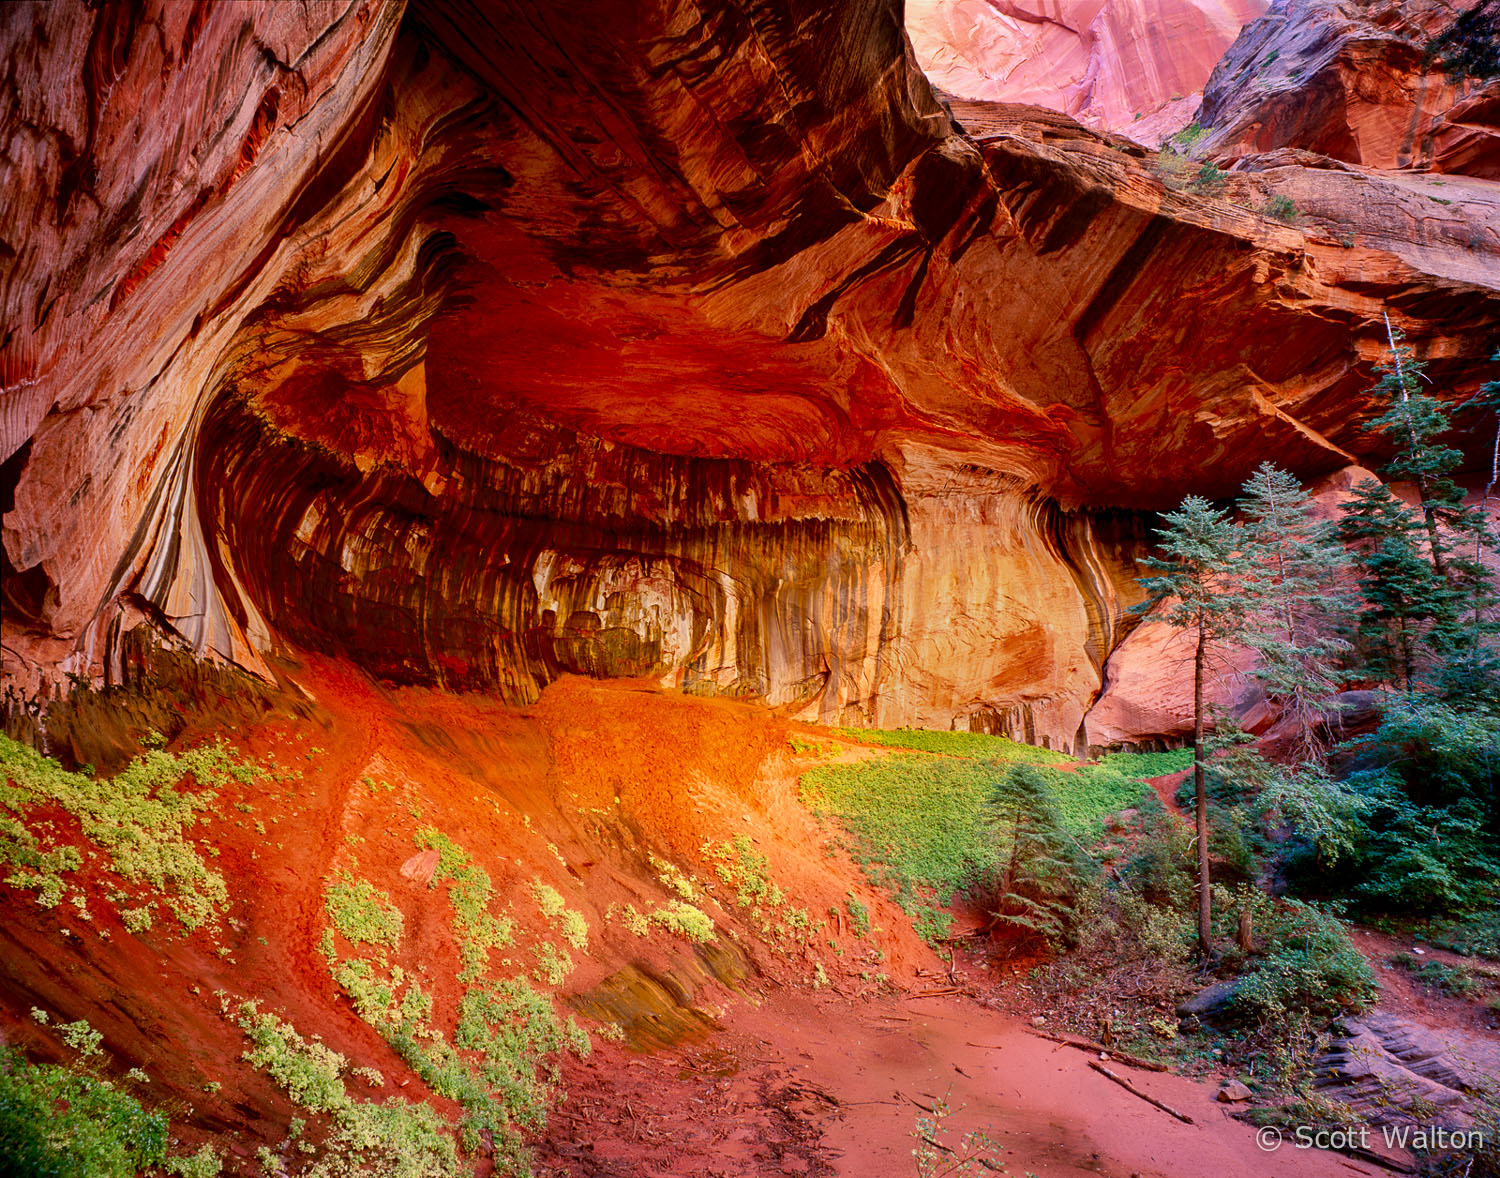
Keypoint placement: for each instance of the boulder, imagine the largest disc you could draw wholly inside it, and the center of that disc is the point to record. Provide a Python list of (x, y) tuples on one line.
[(1208, 1002)]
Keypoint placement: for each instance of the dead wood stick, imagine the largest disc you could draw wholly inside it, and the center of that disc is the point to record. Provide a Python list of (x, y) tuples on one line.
[(1134, 1091), (946, 990), (1082, 1044)]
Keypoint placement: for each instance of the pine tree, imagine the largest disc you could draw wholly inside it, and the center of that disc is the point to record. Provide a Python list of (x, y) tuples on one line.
[(1039, 881), (1472, 669), (1413, 422), (1297, 586), (1405, 597), (1199, 581), (1450, 615)]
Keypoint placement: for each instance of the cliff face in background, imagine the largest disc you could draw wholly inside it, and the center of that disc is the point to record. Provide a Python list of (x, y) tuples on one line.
[(478, 343), (1351, 79), (1136, 67)]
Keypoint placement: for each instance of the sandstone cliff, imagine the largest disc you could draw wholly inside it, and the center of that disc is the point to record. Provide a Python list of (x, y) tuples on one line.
[(484, 342), (1354, 81)]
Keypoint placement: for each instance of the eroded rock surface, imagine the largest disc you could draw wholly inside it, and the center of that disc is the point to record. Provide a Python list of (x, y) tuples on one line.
[(1388, 1069), (655, 340)]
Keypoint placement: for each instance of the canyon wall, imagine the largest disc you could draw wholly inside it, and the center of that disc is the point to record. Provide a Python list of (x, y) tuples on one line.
[(480, 343), (1136, 67)]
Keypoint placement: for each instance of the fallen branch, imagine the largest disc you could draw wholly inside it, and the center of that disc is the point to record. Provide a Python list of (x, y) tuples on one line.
[(1134, 1091), (946, 990), (1082, 1044)]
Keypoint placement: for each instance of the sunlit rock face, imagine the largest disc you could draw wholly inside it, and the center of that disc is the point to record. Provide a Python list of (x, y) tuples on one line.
[(1352, 80), (1132, 66), (657, 340)]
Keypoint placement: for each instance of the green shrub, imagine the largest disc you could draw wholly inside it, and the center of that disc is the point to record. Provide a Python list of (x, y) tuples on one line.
[(393, 1139), (859, 916), (553, 965), (61, 1122), (1310, 966), (575, 928), (1164, 867), (1280, 208), (686, 921), (1470, 46), (206, 1163), (739, 865), (1428, 840), (1453, 980), (1211, 180), (1190, 136), (478, 930), (635, 922), (1476, 934)]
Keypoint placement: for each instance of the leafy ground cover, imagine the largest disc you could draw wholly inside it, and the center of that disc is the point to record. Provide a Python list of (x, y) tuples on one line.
[(140, 819)]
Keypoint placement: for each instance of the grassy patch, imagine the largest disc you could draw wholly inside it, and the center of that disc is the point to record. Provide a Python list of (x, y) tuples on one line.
[(1148, 764), (1084, 798), (921, 825), (996, 749)]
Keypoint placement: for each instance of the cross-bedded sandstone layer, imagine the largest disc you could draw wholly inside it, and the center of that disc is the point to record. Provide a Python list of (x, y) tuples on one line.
[(481, 342)]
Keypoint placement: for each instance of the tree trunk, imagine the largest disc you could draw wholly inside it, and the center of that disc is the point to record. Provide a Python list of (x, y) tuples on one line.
[(1434, 538), (1429, 509), (1200, 799), (1245, 937)]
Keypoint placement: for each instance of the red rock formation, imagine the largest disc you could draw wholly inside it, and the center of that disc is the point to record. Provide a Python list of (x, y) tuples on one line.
[(1132, 66), (651, 340), (1353, 81)]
